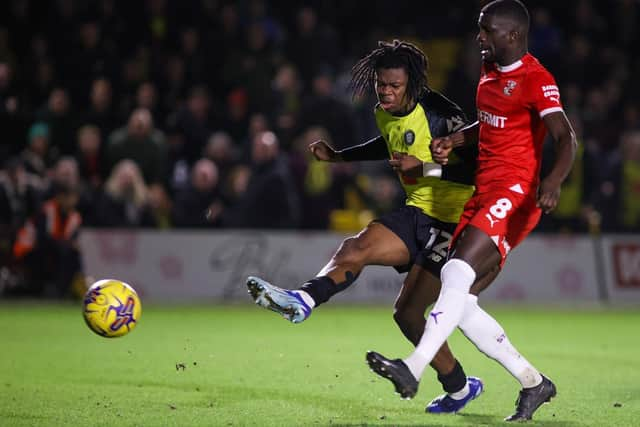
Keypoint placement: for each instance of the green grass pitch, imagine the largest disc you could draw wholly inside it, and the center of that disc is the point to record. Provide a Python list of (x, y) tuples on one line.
[(241, 365)]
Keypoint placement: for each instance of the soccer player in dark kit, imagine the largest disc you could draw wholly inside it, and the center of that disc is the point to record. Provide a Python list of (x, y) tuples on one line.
[(413, 238), (518, 101)]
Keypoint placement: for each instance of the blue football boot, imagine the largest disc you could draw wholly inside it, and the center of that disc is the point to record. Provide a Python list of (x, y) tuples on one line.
[(446, 404), (288, 303)]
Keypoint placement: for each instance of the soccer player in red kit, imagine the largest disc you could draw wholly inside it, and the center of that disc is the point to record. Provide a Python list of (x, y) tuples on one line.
[(518, 102)]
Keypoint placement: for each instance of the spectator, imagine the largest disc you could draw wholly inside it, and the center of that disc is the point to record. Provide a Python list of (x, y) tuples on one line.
[(312, 45), (142, 143), (101, 112), (88, 58), (258, 66), (193, 121), (39, 70), (61, 119), (236, 183), (199, 205), (220, 150), (20, 196), (43, 83), (237, 114), (36, 155), (545, 38), (65, 174), (194, 58), (161, 206), (10, 110), (173, 86), (147, 97), (270, 200), (258, 14), (47, 250), (252, 67), (286, 101), (89, 156), (322, 108), (134, 71), (258, 122), (125, 199), (321, 185), (225, 33)]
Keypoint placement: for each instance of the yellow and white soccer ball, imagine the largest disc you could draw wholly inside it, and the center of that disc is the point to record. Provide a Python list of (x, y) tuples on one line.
[(111, 308)]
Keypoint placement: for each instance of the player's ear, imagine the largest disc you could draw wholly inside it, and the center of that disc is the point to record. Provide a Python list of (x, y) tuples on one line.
[(515, 35)]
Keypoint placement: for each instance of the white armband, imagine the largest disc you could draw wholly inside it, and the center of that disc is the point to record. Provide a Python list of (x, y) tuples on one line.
[(431, 169)]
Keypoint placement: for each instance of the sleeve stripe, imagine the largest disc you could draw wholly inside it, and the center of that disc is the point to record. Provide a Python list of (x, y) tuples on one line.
[(549, 110), (371, 141)]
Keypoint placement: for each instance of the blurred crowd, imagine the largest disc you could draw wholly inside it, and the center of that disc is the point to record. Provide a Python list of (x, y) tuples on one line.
[(197, 113)]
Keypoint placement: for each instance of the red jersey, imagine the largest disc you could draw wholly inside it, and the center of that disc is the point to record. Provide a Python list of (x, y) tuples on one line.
[(511, 103)]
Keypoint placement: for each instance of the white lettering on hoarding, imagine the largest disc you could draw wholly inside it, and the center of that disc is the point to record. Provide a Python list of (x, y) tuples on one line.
[(626, 259)]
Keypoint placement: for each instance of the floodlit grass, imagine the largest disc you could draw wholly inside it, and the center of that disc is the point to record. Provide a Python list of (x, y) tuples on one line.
[(241, 365)]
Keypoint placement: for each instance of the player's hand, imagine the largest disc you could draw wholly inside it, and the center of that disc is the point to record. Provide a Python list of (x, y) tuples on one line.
[(548, 195), (322, 151), (406, 165), (440, 149)]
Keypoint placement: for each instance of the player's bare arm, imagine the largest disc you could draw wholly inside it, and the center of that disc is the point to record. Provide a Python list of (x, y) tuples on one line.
[(442, 147), (565, 147)]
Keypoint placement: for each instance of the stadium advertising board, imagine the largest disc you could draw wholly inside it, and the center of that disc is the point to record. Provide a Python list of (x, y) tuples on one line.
[(197, 266), (621, 256)]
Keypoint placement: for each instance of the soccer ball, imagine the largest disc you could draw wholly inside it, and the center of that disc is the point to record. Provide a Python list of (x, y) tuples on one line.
[(111, 308)]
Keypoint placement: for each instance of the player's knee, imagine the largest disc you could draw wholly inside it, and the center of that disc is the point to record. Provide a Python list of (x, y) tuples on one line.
[(351, 251), (458, 275)]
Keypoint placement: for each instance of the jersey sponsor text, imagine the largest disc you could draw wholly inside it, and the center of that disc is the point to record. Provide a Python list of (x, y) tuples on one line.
[(492, 119), (551, 92)]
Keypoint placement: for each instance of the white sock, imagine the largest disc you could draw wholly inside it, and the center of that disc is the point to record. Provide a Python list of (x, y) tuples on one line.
[(457, 277), (487, 334), (306, 298), (462, 393)]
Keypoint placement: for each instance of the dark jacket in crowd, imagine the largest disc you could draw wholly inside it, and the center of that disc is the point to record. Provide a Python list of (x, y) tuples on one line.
[(270, 200)]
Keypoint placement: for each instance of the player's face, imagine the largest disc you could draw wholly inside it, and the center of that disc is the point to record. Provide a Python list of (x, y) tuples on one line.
[(495, 38), (391, 89)]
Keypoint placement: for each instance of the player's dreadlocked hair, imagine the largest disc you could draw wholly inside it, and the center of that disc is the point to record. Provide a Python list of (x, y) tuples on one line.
[(397, 54)]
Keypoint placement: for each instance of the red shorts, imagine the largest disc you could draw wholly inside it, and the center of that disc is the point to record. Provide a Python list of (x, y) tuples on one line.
[(507, 216)]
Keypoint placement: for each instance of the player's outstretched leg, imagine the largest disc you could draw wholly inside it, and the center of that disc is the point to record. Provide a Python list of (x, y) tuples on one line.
[(288, 303), (531, 399), (395, 371), (446, 404)]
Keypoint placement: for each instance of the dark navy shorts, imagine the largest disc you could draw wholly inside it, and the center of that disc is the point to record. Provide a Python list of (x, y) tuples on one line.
[(426, 238)]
